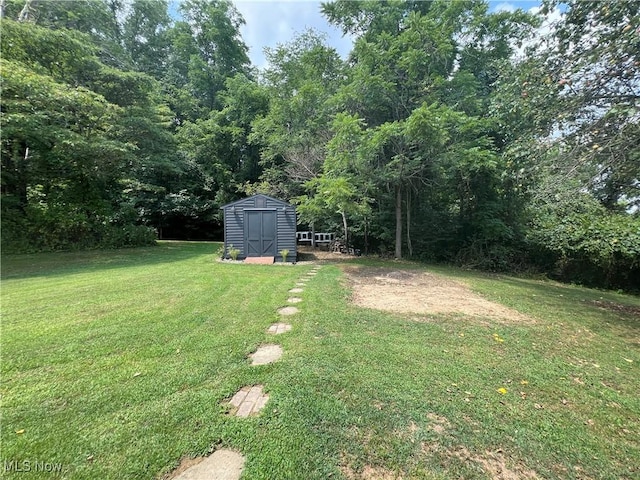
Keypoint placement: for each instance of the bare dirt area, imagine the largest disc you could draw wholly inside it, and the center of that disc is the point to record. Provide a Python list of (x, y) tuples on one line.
[(307, 254), (419, 292)]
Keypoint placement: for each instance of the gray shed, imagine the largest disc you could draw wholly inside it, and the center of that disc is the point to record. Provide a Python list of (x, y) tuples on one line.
[(260, 226)]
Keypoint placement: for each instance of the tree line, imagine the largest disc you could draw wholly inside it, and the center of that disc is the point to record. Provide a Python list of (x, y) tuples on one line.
[(450, 133)]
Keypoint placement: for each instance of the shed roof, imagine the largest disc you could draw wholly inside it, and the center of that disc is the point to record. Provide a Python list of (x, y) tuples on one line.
[(254, 196)]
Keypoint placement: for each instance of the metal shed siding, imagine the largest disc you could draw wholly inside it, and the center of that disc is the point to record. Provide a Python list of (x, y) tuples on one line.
[(286, 224), (287, 233), (234, 230)]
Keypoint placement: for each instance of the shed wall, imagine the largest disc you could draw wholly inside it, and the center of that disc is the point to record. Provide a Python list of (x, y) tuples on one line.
[(234, 231)]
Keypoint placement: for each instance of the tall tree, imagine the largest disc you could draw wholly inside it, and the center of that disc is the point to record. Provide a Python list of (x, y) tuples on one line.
[(342, 187), (301, 79), (596, 60), (206, 50), (427, 59), (145, 36), (569, 111), (73, 128)]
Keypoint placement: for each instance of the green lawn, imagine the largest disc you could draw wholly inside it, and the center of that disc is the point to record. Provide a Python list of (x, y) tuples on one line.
[(117, 365)]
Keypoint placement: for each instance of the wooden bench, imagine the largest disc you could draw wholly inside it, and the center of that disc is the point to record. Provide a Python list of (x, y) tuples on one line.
[(318, 238), (324, 238), (303, 237)]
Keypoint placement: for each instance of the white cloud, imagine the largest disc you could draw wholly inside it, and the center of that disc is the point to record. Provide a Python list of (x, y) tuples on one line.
[(504, 7), (269, 23)]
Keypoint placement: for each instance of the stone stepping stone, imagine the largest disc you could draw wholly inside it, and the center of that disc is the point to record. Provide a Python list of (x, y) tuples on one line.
[(312, 274), (300, 284), (278, 328), (249, 401), (287, 311), (221, 465), (266, 354), (296, 290), (294, 299)]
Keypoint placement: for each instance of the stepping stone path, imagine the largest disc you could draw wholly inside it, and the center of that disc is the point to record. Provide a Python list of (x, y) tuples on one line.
[(287, 311), (227, 464), (266, 354), (249, 400), (221, 465), (278, 328)]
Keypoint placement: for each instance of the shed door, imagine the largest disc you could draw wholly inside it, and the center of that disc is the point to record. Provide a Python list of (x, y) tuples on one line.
[(261, 233)]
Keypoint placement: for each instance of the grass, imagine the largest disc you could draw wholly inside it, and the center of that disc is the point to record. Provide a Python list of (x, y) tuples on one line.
[(118, 364)]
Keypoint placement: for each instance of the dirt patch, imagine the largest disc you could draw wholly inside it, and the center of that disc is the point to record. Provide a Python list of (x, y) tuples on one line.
[(368, 473), (307, 254), (405, 291), (496, 465), (438, 424), (617, 307)]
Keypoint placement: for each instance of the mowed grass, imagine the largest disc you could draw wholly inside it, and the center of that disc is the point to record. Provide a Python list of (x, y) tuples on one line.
[(118, 365)]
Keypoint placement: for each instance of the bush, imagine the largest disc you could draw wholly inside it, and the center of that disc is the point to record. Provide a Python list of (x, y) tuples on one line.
[(579, 241), (48, 229)]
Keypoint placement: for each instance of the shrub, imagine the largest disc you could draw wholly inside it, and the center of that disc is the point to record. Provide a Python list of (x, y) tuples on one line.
[(233, 252)]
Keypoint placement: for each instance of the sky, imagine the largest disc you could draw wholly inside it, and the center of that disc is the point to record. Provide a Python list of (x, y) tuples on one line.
[(273, 22)]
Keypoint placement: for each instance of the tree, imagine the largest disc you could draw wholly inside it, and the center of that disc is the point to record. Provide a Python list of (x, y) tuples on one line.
[(591, 76), (73, 130), (219, 144), (422, 73), (340, 188), (300, 81), (569, 113), (145, 36), (207, 49), (600, 42)]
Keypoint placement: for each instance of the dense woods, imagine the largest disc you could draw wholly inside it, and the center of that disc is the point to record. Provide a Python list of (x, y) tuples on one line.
[(501, 141)]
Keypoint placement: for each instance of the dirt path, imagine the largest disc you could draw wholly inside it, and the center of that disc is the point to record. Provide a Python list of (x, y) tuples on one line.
[(406, 291)]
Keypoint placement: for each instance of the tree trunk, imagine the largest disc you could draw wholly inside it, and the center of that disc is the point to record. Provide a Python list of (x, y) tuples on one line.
[(14, 174), (25, 13), (346, 231), (366, 237), (398, 253), (408, 203)]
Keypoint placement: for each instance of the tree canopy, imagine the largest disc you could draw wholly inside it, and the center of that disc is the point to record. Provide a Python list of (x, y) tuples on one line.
[(493, 139)]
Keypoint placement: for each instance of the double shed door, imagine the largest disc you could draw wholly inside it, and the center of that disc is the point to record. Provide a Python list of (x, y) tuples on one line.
[(260, 233)]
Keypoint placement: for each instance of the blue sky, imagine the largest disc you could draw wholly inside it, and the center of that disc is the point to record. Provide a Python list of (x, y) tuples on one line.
[(273, 22)]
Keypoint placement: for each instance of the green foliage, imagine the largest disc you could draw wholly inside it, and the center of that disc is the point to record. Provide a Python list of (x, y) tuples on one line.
[(233, 252), (586, 243), (284, 253), (300, 82), (69, 136), (449, 134)]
